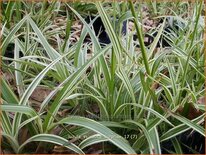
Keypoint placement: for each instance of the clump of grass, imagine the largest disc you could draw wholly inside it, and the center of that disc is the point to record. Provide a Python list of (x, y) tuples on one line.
[(146, 92)]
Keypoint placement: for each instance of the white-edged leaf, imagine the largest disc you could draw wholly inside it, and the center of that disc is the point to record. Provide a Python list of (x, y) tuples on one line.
[(94, 139), (114, 138), (52, 139)]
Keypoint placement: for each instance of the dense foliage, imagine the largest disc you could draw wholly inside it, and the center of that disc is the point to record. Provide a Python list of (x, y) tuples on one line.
[(65, 89)]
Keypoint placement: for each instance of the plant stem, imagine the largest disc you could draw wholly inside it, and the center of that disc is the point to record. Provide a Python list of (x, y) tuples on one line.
[(140, 37)]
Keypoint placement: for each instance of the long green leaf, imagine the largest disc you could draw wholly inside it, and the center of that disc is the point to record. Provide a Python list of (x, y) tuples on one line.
[(180, 129), (146, 133), (114, 138), (29, 91), (14, 144), (94, 139), (156, 39), (18, 108), (155, 140), (18, 75), (102, 60), (53, 54), (11, 34), (52, 139), (141, 40), (191, 124), (112, 35), (7, 93), (67, 87), (119, 110)]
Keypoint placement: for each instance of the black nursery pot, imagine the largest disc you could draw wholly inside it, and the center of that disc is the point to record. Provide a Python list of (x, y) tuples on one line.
[(9, 52), (100, 30), (103, 37)]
